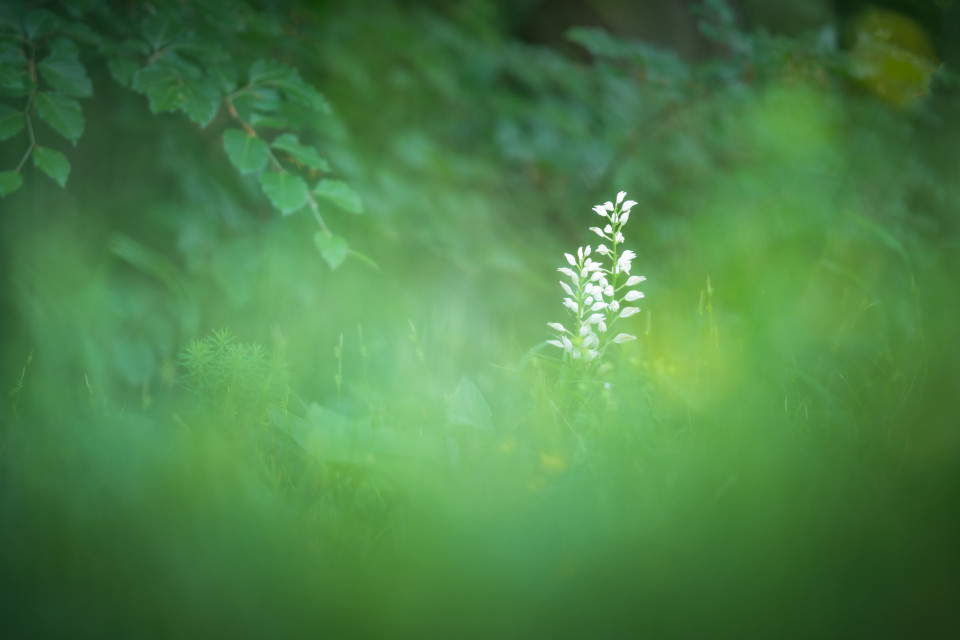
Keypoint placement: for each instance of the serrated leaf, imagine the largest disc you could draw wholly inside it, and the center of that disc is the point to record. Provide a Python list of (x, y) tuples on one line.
[(333, 249), (11, 121), (340, 194), (158, 29), (200, 100), (469, 407), (62, 70), (13, 69), (161, 84), (263, 71), (39, 23), (53, 163), (286, 191), (247, 153), (259, 121), (84, 33), (10, 181), (298, 90), (302, 153), (122, 69), (63, 114)]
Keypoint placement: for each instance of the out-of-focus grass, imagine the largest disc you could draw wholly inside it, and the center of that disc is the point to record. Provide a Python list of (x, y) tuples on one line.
[(774, 457)]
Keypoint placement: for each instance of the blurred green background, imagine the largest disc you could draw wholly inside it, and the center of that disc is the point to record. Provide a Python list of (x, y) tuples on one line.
[(211, 433)]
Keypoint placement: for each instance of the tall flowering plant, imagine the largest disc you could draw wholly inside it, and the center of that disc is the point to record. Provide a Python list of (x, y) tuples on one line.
[(599, 291)]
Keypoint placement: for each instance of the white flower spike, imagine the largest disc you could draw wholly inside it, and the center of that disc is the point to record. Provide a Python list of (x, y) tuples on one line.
[(593, 297)]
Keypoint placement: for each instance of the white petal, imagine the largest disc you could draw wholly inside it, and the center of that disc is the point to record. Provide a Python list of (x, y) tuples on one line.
[(627, 205), (570, 259), (624, 337), (595, 318), (588, 301), (570, 304), (608, 229), (633, 295), (598, 231), (621, 196), (633, 281), (555, 343), (598, 306), (602, 249), (614, 306), (565, 341), (600, 210), (569, 272), (602, 326), (629, 311), (586, 251), (590, 355), (608, 205), (619, 238), (624, 217), (585, 330), (591, 341), (566, 287), (597, 275), (557, 326), (608, 290), (580, 253)]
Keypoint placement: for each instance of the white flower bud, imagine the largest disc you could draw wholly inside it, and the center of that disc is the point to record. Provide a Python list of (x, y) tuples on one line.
[(624, 337), (570, 259), (633, 281), (629, 311), (566, 287), (570, 304), (557, 327), (602, 249), (633, 295), (621, 196)]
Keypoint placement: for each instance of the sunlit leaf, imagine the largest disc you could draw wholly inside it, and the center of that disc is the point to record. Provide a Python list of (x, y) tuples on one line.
[(53, 163), (11, 122), (340, 194), (10, 181), (63, 114), (62, 70), (286, 191), (302, 153), (334, 249), (247, 153)]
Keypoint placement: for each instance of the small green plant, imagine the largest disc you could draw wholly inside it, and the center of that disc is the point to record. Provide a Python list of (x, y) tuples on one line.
[(597, 299), (238, 379)]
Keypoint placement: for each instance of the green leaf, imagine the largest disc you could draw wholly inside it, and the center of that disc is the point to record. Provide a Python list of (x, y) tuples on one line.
[(161, 83), (122, 69), (53, 163), (264, 71), (39, 23), (11, 121), (334, 249), (11, 79), (301, 153), (200, 100), (10, 181), (299, 91), (62, 70), (247, 153), (340, 194), (469, 407), (61, 113), (267, 122), (158, 29), (286, 191)]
